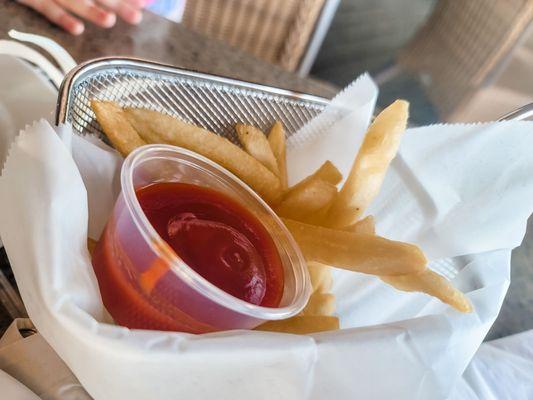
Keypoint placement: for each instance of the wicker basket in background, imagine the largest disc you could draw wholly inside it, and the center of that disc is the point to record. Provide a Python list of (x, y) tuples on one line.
[(277, 31), (462, 46)]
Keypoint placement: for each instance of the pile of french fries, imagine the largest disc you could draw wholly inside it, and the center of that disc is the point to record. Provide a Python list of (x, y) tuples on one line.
[(326, 222)]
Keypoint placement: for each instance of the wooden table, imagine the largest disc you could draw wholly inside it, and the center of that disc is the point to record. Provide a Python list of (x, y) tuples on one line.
[(156, 39), (160, 40)]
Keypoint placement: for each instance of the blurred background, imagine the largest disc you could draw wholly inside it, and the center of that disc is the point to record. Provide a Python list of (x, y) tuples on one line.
[(453, 60)]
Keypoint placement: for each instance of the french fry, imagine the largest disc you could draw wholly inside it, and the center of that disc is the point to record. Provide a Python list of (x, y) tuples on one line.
[(276, 139), (320, 304), (310, 199), (320, 275), (301, 325), (368, 171), (319, 217), (329, 173), (91, 244), (256, 144), (431, 283), (116, 126), (365, 226), (368, 254), (155, 127), (304, 201)]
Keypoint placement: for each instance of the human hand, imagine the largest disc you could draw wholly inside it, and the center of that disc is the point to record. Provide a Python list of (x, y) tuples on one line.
[(69, 14)]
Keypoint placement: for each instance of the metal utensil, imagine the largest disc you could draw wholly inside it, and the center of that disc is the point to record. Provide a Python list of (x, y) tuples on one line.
[(519, 114)]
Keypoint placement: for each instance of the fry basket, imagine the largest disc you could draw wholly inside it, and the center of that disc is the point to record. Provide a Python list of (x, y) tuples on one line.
[(212, 102)]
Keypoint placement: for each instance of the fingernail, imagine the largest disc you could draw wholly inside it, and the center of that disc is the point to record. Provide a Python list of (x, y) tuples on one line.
[(136, 17), (77, 29), (109, 20)]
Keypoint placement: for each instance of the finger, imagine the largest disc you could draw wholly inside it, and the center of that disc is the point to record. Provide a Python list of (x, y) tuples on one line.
[(56, 14), (86, 9), (129, 11), (138, 3)]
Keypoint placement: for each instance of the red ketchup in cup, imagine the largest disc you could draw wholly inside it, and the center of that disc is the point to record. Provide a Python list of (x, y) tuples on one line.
[(191, 248), (218, 238)]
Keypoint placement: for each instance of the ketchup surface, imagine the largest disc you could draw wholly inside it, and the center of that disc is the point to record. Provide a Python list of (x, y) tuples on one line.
[(218, 238)]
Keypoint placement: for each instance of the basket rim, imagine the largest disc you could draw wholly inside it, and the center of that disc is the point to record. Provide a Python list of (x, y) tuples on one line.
[(90, 67)]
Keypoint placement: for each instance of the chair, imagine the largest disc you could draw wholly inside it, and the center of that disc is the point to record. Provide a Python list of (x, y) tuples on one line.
[(463, 46), (278, 31)]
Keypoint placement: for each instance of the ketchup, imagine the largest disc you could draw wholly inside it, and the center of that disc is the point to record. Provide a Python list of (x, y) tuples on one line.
[(212, 234), (218, 238)]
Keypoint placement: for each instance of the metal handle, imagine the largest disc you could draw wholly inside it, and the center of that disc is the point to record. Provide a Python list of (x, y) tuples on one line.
[(518, 114)]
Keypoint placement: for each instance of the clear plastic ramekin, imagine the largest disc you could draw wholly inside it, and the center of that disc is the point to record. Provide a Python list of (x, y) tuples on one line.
[(189, 302)]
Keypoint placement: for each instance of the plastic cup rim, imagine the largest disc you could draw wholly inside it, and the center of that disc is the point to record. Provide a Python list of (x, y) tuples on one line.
[(180, 268)]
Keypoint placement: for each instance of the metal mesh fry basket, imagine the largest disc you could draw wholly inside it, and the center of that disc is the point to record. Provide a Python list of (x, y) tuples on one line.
[(213, 102)]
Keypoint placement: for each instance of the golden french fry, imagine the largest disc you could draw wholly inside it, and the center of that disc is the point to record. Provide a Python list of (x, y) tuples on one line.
[(91, 244), (310, 199), (320, 275), (304, 201), (368, 254), (368, 171), (329, 173), (116, 126), (431, 283), (276, 139), (256, 144), (365, 226), (301, 325), (319, 217), (155, 127), (320, 304)]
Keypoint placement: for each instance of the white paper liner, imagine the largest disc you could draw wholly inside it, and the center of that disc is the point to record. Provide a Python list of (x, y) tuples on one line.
[(328, 136), (393, 345)]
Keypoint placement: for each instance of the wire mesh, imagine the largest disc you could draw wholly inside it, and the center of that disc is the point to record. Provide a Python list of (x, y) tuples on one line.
[(210, 102)]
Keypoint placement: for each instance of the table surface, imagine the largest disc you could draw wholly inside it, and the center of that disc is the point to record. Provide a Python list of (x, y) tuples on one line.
[(159, 40)]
